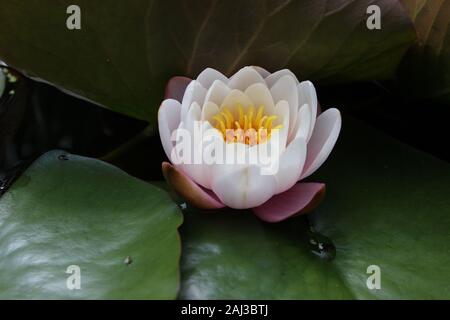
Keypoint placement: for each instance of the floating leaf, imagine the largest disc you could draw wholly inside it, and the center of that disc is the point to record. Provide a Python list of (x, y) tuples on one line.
[(425, 71), (67, 210), (124, 54)]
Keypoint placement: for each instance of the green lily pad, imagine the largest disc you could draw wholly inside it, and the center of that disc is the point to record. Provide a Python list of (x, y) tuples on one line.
[(387, 205), (124, 53), (231, 255), (67, 210), (430, 57)]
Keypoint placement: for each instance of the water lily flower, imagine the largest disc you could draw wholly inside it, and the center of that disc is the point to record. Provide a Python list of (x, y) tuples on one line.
[(269, 105)]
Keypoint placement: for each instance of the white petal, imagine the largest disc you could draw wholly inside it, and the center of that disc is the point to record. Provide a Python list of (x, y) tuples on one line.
[(209, 110), (217, 92), (282, 113), (244, 188), (228, 157), (236, 97), (290, 164), (263, 72), (244, 78), (195, 92), (303, 123), (322, 140), (285, 88), (194, 115), (307, 94), (265, 155), (168, 120), (199, 171), (260, 95), (270, 80), (209, 75), (234, 157), (210, 133)]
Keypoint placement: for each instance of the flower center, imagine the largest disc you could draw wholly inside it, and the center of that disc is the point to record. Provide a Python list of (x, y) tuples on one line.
[(250, 127)]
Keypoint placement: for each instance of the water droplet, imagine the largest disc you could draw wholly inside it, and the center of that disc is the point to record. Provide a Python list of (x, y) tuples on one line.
[(63, 157), (321, 245), (183, 206), (128, 260)]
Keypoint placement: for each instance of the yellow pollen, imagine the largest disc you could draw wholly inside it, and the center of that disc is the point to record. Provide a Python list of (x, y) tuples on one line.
[(249, 127)]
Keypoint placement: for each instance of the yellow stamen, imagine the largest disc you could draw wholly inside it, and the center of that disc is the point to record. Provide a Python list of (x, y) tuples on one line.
[(238, 130), (269, 122), (220, 124), (250, 116), (260, 123), (229, 114), (227, 120), (259, 116), (277, 127), (241, 114)]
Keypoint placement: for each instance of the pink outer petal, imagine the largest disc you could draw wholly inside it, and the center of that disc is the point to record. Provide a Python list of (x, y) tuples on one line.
[(190, 191), (175, 88), (301, 198)]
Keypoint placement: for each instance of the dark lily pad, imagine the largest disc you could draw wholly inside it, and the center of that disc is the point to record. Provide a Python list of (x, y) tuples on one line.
[(425, 71), (124, 53)]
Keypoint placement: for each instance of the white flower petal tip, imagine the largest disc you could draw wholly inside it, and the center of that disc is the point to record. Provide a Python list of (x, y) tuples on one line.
[(260, 95), (307, 95), (300, 199), (209, 75), (244, 78), (176, 87), (322, 141), (168, 121), (263, 72), (274, 77), (285, 88), (303, 123), (217, 92), (236, 97), (195, 92), (193, 194), (244, 188)]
